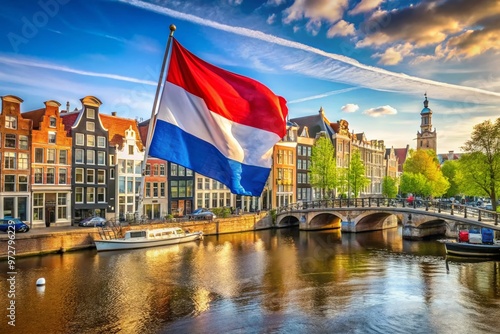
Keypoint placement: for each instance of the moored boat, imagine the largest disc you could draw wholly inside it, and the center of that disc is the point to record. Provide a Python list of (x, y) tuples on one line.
[(148, 238), (476, 242), (468, 249)]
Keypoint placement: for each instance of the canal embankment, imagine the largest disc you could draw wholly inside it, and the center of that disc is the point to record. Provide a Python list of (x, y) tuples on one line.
[(39, 241)]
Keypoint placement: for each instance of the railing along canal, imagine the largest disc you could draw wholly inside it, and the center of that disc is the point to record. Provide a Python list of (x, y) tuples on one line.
[(453, 209)]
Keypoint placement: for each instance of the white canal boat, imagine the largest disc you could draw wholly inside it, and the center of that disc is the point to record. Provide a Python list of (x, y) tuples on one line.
[(148, 238)]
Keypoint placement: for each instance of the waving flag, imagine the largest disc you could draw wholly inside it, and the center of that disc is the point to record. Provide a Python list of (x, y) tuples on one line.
[(217, 123)]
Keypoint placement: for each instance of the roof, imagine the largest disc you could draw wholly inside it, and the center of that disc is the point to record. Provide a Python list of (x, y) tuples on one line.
[(143, 131), (401, 154), (35, 115), (315, 124), (116, 129), (69, 120), (426, 111)]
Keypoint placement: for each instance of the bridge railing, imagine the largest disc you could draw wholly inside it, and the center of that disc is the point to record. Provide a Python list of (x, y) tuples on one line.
[(453, 209)]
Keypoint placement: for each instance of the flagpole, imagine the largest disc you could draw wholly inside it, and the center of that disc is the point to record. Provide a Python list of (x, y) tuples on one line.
[(152, 122)]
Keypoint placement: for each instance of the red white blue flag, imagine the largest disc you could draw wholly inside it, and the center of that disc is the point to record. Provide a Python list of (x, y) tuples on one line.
[(217, 123)]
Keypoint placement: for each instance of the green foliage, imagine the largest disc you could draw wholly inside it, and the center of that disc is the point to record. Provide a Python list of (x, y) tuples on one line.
[(323, 167), (450, 170), (356, 174), (389, 187), (223, 212), (423, 175), (480, 165)]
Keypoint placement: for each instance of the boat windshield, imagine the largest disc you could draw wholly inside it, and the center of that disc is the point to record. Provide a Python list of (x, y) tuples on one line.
[(137, 234)]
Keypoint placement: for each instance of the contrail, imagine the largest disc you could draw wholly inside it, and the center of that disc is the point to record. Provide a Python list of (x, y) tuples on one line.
[(320, 96), (71, 70), (381, 79)]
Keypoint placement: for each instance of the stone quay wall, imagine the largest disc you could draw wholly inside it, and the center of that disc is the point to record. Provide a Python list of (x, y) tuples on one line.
[(41, 241)]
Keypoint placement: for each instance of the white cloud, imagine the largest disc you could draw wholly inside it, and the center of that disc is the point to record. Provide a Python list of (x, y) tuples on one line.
[(274, 3), (271, 19), (350, 108), (328, 10), (380, 111), (365, 6), (395, 54), (341, 28)]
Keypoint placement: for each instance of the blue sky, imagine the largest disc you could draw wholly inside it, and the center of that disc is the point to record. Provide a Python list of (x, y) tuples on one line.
[(368, 62)]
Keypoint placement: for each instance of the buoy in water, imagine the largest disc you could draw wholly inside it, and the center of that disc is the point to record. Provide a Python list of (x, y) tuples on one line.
[(40, 281)]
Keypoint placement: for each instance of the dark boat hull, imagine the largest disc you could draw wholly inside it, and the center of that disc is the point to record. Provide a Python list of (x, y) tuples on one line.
[(476, 250)]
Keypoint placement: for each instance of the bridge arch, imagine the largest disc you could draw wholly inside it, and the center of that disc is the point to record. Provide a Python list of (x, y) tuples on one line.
[(325, 220), (372, 221)]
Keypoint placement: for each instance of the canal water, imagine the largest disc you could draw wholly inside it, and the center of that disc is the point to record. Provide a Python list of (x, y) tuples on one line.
[(271, 281)]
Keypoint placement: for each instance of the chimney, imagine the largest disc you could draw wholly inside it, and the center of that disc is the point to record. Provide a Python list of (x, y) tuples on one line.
[(450, 155), (67, 106), (113, 113)]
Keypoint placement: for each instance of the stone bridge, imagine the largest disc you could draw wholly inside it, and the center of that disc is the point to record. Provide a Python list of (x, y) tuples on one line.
[(361, 216)]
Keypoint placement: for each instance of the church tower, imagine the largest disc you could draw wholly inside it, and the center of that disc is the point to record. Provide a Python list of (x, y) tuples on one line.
[(426, 137)]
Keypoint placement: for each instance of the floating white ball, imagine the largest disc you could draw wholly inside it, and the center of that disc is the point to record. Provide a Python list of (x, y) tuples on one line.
[(40, 281)]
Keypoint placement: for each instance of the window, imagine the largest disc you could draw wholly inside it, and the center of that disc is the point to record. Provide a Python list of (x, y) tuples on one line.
[(52, 122), (62, 175), (173, 170), (63, 157), (10, 183), (50, 175), (79, 195), (90, 195), (148, 169), (148, 189), (90, 175), (90, 126), (80, 139), (91, 140), (22, 162), (101, 141), (51, 156), (199, 182), (130, 185), (10, 122), (138, 167), (79, 175), (90, 157), (121, 184), (10, 140), (38, 175), (174, 189), (155, 169), (162, 169), (101, 158), (155, 189), (22, 182), (130, 166), (38, 155), (10, 160), (131, 149), (162, 189), (111, 173), (101, 176), (101, 195), (61, 206), (182, 171), (90, 113), (79, 156), (52, 137), (38, 206), (23, 142)]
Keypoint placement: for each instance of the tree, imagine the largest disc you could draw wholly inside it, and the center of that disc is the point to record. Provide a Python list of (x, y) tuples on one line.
[(323, 166), (480, 165), (356, 174), (431, 181), (389, 187), (450, 170)]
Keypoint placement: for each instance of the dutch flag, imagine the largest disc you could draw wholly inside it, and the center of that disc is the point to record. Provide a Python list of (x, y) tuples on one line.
[(217, 123)]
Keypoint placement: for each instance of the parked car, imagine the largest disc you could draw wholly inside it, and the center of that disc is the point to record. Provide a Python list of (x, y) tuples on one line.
[(92, 222), (202, 214), (19, 225)]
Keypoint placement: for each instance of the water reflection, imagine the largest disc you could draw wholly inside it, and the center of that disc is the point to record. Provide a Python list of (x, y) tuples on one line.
[(268, 281)]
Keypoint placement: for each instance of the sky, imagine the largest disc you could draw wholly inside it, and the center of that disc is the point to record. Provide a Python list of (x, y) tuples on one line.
[(369, 62)]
